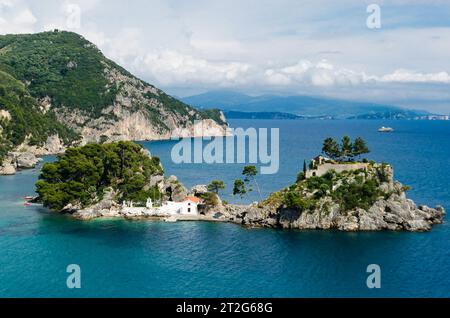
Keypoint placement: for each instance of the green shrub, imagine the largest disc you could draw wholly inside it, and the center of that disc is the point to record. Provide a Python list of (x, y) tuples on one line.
[(357, 194), (82, 174), (293, 200), (210, 199)]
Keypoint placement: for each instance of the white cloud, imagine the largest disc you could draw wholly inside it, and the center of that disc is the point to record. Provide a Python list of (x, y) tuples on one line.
[(405, 76), (325, 74), (173, 68), (321, 74), (16, 17)]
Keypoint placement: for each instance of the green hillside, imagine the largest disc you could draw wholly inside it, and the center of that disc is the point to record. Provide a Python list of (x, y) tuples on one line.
[(70, 70), (25, 118), (79, 88)]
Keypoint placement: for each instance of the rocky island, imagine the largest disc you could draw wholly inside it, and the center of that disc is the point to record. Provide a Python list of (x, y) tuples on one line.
[(358, 199), (122, 180)]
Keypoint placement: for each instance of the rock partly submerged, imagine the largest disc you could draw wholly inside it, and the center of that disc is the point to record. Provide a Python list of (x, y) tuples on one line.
[(15, 161), (25, 156)]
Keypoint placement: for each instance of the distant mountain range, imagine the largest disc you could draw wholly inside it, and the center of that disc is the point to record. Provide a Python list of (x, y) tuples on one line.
[(268, 115), (297, 107)]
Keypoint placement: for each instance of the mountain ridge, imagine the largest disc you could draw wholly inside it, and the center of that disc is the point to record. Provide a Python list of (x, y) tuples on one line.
[(300, 105)]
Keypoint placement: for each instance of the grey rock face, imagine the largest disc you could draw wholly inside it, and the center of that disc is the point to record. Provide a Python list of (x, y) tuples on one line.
[(7, 169), (199, 189), (392, 211), (107, 207), (26, 160), (170, 187), (395, 214), (131, 116), (18, 160)]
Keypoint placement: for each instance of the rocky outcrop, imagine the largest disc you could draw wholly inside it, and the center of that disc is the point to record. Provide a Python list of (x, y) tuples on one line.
[(391, 211), (140, 112), (18, 161), (27, 157), (106, 208), (394, 214), (7, 169), (198, 190), (170, 187)]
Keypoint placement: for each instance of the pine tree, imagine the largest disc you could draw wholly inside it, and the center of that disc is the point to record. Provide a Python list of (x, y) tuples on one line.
[(359, 147)]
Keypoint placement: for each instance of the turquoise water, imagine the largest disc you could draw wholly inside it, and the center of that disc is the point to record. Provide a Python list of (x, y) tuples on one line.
[(147, 259)]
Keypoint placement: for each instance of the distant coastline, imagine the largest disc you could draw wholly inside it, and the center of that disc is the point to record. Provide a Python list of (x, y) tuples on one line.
[(406, 115), (305, 107), (271, 115)]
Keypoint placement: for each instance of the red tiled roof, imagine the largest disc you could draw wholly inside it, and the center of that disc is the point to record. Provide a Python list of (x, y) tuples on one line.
[(194, 199)]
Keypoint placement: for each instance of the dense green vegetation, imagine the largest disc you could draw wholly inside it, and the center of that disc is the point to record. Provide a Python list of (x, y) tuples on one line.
[(214, 114), (26, 120), (345, 151), (81, 175), (61, 65), (71, 71), (351, 190)]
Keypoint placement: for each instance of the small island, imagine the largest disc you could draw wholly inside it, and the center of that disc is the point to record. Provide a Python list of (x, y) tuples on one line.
[(333, 192)]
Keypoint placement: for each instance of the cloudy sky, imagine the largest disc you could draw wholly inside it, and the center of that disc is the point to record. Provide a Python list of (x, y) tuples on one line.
[(289, 47)]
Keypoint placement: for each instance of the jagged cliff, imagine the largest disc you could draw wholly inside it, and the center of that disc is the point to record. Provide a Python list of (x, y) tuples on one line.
[(58, 89)]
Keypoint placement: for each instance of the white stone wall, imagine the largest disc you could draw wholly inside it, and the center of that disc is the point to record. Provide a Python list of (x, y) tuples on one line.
[(339, 168), (167, 209)]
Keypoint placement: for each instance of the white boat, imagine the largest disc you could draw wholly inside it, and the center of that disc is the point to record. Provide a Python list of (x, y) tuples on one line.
[(386, 129)]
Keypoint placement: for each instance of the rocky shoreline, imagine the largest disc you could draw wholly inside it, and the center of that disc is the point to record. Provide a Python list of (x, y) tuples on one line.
[(403, 215), (15, 161), (397, 213), (26, 157)]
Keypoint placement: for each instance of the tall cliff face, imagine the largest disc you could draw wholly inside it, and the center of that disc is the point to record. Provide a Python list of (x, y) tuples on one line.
[(139, 111), (70, 79)]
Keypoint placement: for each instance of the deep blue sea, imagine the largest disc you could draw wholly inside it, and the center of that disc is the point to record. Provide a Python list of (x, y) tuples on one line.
[(151, 259)]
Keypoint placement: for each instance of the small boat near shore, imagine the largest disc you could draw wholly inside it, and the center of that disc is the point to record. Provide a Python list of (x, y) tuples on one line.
[(386, 129)]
